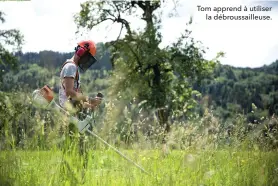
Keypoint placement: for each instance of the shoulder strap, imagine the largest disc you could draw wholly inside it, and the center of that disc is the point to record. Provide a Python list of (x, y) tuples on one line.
[(76, 75)]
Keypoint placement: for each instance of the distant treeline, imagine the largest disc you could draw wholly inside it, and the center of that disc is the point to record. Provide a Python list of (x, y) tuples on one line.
[(250, 91), (230, 90)]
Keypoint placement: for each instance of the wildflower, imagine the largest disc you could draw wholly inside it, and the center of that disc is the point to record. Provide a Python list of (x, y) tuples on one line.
[(209, 174), (190, 158)]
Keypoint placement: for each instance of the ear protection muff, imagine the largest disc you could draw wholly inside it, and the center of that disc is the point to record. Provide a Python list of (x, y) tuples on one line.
[(80, 51), (86, 59)]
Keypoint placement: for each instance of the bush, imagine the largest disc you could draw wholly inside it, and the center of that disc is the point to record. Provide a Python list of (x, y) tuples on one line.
[(24, 126)]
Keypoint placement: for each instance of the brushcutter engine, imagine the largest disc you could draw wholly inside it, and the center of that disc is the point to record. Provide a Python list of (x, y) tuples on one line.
[(44, 98)]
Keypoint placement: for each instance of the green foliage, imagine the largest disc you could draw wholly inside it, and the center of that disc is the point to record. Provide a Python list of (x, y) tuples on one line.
[(25, 127), (160, 77), (242, 88), (8, 38), (27, 78), (226, 98), (209, 150)]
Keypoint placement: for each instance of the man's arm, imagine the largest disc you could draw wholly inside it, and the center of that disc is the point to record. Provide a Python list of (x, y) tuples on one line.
[(68, 83), (70, 92)]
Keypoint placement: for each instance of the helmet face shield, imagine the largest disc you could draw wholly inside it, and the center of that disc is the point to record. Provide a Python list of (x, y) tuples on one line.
[(86, 61)]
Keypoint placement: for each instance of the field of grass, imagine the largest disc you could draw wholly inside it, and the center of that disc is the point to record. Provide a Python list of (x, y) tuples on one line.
[(105, 167)]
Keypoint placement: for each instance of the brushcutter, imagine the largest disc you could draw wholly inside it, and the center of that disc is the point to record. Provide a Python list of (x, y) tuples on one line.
[(44, 98)]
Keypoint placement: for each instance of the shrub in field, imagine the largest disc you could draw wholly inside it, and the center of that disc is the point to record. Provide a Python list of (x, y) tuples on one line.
[(125, 124), (24, 126), (266, 133)]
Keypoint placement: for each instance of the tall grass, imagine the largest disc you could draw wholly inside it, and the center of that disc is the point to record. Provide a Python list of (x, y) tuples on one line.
[(37, 149), (221, 167)]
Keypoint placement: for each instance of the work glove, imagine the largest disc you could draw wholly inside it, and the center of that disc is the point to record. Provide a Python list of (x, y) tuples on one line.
[(95, 101)]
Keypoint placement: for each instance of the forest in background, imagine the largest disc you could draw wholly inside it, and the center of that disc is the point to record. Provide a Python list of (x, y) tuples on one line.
[(227, 91)]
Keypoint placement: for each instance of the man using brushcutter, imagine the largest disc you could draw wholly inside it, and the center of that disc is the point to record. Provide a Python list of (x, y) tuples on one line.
[(70, 91), (70, 94)]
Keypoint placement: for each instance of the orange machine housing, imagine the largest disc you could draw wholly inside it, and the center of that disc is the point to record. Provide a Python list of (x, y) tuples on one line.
[(47, 93)]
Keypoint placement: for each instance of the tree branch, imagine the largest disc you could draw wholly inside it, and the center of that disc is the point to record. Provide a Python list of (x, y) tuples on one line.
[(127, 26), (108, 11), (101, 21), (155, 5), (118, 10), (120, 32), (135, 55), (141, 4), (121, 20), (2, 19)]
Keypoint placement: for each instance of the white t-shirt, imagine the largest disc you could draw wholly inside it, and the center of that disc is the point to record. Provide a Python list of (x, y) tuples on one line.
[(69, 70)]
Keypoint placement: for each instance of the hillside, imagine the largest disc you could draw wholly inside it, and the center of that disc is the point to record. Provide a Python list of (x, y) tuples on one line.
[(242, 90), (228, 91)]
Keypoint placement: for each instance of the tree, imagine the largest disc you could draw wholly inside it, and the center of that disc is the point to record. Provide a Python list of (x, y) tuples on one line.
[(160, 77), (12, 38)]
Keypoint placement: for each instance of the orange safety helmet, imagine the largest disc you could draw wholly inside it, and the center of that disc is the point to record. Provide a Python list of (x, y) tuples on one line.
[(90, 45), (86, 50)]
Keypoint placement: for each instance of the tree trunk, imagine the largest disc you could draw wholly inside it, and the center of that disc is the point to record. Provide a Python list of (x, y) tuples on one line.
[(163, 121), (163, 115)]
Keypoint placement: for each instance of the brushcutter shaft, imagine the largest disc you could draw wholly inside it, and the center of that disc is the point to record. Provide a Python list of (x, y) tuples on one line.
[(116, 150)]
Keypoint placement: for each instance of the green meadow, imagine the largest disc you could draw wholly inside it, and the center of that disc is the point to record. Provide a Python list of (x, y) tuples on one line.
[(105, 167)]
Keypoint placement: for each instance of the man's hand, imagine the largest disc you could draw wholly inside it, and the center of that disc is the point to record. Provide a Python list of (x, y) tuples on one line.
[(95, 102)]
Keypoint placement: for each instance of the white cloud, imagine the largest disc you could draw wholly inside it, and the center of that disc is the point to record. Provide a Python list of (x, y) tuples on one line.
[(48, 25)]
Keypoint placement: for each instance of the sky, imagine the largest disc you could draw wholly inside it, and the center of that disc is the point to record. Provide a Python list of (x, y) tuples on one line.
[(49, 25)]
